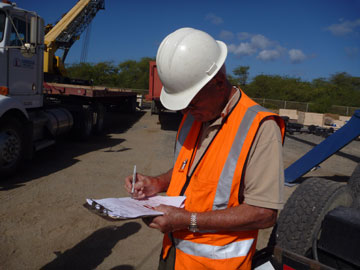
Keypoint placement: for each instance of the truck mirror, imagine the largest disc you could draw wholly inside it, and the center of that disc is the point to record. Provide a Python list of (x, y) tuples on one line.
[(37, 30)]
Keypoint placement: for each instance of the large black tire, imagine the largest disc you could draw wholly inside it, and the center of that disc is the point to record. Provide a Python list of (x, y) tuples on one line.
[(354, 186), (299, 223), (99, 110), (154, 108), (83, 123), (12, 145), (133, 104)]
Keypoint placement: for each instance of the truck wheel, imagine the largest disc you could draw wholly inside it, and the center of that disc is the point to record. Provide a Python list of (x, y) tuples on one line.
[(12, 145), (299, 223), (83, 122), (354, 186), (99, 117), (133, 104), (154, 108)]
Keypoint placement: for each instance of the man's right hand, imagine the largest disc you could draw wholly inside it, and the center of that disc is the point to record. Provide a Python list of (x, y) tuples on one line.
[(145, 186)]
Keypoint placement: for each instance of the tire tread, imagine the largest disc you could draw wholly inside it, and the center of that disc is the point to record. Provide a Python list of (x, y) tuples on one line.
[(300, 220)]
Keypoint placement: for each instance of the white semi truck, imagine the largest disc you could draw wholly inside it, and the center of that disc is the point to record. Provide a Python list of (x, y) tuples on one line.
[(34, 111)]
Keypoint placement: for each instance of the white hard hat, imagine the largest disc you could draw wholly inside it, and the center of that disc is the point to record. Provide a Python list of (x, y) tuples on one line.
[(186, 60)]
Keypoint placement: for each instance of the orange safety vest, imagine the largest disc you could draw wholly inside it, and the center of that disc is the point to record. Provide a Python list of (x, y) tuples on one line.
[(215, 184)]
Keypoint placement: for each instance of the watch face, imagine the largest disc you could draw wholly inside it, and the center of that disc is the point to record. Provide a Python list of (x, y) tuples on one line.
[(193, 228)]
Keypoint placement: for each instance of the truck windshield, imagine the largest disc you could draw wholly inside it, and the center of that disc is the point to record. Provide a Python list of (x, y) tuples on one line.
[(2, 25)]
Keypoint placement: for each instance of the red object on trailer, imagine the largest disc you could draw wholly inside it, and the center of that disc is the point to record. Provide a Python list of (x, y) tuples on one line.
[(155, 84), (168, 119), (155, 87)]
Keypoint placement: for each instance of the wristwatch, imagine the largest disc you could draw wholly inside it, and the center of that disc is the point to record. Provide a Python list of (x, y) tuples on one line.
[(193, 227)]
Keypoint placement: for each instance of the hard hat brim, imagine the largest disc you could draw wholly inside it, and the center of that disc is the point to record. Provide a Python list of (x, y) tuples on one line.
[(179, 101)]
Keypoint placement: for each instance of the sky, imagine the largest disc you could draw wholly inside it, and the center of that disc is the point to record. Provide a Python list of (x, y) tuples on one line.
[(305, 39)]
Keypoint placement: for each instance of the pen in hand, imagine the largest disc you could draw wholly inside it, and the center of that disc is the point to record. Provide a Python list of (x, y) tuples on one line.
[(133, 181)]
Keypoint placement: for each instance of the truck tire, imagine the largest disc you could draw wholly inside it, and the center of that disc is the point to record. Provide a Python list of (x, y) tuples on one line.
[(83, 123), (12, 145), (299, 223), (133, 104), (354, 186), (154, 108), (99, 110)]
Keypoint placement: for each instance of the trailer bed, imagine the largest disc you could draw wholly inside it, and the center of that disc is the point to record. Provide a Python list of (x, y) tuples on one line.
[(85, 91)]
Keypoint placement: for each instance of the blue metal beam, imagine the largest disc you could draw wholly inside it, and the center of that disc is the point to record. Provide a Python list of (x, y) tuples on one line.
[(325, 149)]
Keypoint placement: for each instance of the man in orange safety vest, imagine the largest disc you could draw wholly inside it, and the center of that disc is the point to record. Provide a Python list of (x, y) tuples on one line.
[(228, 160)]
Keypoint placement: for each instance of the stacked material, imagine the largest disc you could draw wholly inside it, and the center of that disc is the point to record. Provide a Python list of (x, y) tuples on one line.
[(308, 119), (292, 114)]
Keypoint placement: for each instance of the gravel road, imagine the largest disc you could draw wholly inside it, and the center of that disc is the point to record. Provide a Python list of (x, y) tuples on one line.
[(45, 226)]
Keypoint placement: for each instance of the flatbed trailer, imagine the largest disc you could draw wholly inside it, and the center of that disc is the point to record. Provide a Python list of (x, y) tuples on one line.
[(100, 94), (88, 91)]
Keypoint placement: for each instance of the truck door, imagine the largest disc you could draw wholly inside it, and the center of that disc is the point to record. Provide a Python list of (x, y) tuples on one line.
[(3, 65), (24, 74)]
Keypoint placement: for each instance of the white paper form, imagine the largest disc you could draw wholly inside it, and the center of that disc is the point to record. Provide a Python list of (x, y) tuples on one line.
[(123, 208)]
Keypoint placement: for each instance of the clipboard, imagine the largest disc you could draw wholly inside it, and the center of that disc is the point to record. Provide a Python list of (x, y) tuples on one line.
[(99, 212), (128, 208)]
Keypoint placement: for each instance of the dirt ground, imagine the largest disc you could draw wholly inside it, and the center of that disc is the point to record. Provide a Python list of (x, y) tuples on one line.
[(45, 226)]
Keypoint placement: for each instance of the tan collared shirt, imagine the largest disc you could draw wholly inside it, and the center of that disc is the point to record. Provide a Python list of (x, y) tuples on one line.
[(264, 175)]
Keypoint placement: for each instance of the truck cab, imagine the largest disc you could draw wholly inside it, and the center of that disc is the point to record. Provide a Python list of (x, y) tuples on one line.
[(34, 112), (25, 125), (21, 57)]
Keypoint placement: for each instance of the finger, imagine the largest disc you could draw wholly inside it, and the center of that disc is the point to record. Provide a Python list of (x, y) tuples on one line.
[(164, 208), (154, 226), (160, 208), (128, 182), (142, 178), (127, 186), (139, 193), (139, 176), (139, 185), (138, 196)]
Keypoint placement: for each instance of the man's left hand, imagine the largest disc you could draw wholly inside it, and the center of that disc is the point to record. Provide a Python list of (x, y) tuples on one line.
[(173, 219)]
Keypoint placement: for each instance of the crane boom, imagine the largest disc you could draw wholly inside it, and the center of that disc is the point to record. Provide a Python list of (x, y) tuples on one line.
[(67, 31)]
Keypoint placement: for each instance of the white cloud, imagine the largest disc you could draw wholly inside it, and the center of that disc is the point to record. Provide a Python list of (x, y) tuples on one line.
[(227, 35), (265, 49), (259, 41), (250, 45), (244, 48), (214, 19), (344, 28), (296, 56), (243, 35), (269, 55)]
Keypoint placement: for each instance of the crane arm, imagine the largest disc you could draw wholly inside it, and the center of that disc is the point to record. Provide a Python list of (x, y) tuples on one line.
[(67, 31)]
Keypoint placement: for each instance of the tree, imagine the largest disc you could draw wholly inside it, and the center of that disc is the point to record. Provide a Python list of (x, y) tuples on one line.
[(242, 73), (339, 89), (232, 80), (128, 74), (133, 74), (345, 81)]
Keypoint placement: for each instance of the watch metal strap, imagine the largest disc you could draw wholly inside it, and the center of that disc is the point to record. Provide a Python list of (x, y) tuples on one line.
[(193, 219)]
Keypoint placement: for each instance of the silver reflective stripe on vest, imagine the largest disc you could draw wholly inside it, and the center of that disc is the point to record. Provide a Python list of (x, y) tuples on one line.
[(232, 250), (224, 185), (183, 134)]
